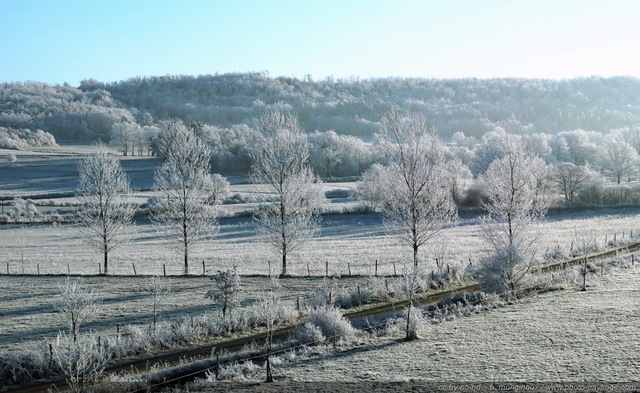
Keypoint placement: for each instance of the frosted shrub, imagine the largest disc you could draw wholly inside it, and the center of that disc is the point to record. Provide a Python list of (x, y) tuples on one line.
[(331, 322), (325, 293), (377, 287), (16, 368), (237, 371), (81, 359), (309, 334), (354, 297)]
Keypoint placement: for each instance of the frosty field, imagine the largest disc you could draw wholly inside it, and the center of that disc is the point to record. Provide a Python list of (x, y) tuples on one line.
[(566, 335), (346, 241)]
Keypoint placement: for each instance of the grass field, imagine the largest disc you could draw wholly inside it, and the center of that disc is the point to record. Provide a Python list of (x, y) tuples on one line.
[(28, 318), (482, 346), (567, 335), (347, 241)]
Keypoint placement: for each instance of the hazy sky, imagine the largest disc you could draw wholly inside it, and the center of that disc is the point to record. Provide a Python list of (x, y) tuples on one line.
[(58, 41)]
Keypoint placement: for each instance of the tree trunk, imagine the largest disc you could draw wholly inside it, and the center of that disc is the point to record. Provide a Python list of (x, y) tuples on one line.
[(106, 261), (411, 334), (284, 264), (268, 365), (415, 255)]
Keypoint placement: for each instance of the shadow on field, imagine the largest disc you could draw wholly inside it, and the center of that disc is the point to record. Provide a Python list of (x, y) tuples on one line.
[(346, 353)]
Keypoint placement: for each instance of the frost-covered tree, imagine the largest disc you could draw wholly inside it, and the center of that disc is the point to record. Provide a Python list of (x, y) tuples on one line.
[(369, 189), (77, 305), (570, 179), (158, 289), (560, 149), (581, 147), (105, 212), (489, 150), (631, 135), (511, 185), (188, 192), (226, 288), (585, 242), (619, 160), (417, 202), (280, 163), (269, 311), (81, 360), (125, 136), (460, 179)]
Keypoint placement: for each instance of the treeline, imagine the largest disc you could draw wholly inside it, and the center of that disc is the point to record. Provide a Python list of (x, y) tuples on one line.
[(346, 106)]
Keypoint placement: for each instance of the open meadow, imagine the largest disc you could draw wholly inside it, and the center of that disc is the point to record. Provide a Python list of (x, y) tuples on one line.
[(347, 241), (559, 336), (352, 244)]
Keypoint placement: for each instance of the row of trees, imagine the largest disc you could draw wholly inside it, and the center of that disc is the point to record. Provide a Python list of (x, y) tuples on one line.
[(413, 190), (582, 160), (188, 192)]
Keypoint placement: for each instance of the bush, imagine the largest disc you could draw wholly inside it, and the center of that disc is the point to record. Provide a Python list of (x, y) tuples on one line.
[(309, 334), (331, 322)]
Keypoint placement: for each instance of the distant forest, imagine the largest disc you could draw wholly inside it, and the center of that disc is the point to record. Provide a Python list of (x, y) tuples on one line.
[(346, 106), (587, 129)]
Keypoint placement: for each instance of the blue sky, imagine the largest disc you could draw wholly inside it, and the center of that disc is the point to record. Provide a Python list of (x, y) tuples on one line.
[(58, 41)]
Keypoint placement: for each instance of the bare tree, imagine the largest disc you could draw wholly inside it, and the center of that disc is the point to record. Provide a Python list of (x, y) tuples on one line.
[(124, 135), (269, 310), (570, 179), (280, 163), (414, 186), (619, 160), (186, 206), (226, 288), (77, 305), (511, 185), (158, 289), (105, 211), (585, 243)]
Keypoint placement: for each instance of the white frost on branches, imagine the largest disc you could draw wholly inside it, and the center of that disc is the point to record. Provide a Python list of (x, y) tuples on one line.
[(105, 211), (281, 163), (414, 189), (512, 186), (188, 191)]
